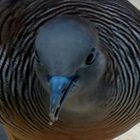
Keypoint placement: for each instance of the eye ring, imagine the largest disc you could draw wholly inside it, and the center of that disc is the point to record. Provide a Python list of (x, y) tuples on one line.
[(90, 59)]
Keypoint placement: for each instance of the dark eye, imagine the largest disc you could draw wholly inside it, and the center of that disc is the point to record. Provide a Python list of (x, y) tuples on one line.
[(90, 59)]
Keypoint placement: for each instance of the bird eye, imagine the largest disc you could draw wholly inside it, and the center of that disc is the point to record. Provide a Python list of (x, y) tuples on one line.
[(90, 59)]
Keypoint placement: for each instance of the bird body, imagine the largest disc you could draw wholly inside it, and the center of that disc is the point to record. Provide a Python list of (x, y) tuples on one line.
[(69, 69)]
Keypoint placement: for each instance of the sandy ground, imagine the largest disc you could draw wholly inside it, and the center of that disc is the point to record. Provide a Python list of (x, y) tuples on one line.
[(136, 3), (133, 134)]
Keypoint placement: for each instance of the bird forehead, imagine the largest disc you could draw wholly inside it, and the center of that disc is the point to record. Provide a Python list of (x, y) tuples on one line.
[(68, 34)]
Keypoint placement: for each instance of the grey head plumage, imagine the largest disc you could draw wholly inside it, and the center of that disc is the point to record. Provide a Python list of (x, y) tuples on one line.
[(67, 53)]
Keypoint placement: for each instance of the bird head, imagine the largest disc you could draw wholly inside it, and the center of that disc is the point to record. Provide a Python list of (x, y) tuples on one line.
[(66, 49)]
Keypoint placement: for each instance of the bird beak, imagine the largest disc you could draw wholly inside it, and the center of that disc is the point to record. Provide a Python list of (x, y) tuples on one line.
[(59, 86)]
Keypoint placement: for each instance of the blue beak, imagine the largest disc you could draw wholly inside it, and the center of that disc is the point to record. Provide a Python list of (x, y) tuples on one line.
[(59, 86)]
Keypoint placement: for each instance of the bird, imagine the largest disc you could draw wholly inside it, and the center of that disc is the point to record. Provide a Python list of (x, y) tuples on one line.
[(69, 69)]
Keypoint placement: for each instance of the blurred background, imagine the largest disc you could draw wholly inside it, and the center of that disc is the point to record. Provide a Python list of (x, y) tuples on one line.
[(136, 3), (133, 134)]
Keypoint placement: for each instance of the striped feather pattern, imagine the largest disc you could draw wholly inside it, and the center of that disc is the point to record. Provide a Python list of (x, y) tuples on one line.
[(23, 101)]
